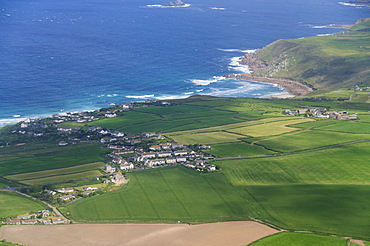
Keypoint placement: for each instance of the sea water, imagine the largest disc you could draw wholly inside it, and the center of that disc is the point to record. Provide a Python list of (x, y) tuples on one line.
[(75, 55)]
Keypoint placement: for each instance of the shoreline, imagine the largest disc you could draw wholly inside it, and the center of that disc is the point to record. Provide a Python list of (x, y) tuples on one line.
[(293, 88)]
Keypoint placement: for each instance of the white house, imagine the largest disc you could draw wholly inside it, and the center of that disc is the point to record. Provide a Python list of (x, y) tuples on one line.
[(164, 154), (127, 166), (171, 160)]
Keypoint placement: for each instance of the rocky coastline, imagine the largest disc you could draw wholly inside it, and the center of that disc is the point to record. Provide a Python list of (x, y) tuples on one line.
[(294, 88)]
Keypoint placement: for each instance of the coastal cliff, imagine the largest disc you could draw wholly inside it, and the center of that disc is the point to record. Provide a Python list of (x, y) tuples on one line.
[(322, 62)]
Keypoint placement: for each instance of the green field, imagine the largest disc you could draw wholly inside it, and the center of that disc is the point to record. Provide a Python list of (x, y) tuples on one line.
[(268, 129), (340, 165), (316, 123), (334, 209), (364, 117), (304, 140), (12, 204), (17, 160), (349, 127), (206, 138), (166, 195), (237, 149), (301, 239), (129, 118), (60, 174), (232, 126), (71, 125)]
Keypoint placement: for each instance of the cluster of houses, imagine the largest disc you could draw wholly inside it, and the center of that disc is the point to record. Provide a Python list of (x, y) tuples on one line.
[(37, 127), (69, 193), (41, 217), (161, 154), (116, 177), (321, 113)]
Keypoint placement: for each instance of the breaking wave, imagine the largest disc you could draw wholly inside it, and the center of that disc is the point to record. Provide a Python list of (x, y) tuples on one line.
[(140, 97), (238, 50), (206, 81), (237, 66)]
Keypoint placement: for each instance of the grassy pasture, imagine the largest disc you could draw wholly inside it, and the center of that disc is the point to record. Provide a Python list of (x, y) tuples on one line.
[(12, 204), (301, 239), (177, 109), (129, 118), (55, 175), (341, 165), (362, 97), (210, 113), (237, 149), (364, 117), (268, 129), (55, 158), (164, 126), (316, 123), (334, 209), (243, 107), (227, 127), (205, 122), (349, 127), (206, 138), (304, 140), (63, 177), (165, 195), (27, 150), (256, 115)]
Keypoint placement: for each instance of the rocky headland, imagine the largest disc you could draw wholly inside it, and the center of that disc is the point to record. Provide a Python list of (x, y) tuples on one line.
[(293, 87), (324, 62)]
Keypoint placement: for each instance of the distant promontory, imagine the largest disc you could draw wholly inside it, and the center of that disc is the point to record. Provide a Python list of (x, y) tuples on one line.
[(333, 61)]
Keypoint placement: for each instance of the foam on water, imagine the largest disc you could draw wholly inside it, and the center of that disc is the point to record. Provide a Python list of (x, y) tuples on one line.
[(238, 50), (169, 97), (353, 4), (166, 6), (141, 97), (206, 81), (10, 121), (236, 66)]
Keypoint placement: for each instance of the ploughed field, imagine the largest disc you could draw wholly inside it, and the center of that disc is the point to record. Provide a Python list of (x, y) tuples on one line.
[(296, 172)]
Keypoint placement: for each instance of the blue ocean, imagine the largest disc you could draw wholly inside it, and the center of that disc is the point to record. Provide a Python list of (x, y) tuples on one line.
[(75, 55)]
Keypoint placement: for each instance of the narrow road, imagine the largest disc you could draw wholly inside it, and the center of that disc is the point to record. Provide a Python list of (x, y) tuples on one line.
[(55, 210)]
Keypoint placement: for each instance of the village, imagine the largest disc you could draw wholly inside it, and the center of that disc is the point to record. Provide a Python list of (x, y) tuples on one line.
[(321, 113), (45, 217)]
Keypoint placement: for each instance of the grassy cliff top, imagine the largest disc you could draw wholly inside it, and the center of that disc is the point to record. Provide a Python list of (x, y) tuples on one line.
[(325, 62)]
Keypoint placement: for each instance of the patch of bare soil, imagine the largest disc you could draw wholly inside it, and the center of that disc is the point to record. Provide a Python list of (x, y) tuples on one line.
[(225, 233)]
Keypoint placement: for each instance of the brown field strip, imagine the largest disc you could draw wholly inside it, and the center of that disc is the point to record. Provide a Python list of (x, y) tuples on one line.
[(225, 233)]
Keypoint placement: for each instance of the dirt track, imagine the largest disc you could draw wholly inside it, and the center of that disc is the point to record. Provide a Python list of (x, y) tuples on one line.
[(226, 233)]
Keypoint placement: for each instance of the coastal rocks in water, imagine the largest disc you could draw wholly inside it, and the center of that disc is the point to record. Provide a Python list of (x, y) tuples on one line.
[(176, 4), (253, 62)]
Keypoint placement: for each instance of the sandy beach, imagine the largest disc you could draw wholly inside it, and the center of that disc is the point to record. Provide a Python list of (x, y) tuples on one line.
[(292, 87), (224, 233)]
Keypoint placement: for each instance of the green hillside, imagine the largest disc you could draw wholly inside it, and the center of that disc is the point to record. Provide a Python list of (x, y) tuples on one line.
[(324, 62)]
